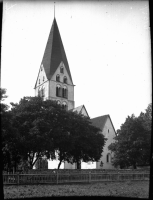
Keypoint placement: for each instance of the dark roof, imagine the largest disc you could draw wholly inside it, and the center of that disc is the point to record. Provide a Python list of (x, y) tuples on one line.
[(100, 122), (54, 53)]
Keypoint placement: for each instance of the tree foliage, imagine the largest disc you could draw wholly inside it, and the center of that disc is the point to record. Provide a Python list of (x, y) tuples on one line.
[(33, 120), (9, 138), (43, 128), (132, 144), (77, 140)]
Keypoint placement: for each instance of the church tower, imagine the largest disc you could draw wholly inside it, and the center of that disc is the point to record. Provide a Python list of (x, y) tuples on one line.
[(54, 80)]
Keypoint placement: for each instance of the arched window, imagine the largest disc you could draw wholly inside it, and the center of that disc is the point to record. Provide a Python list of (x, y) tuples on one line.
[(58, 91), (64, 106), (58, 77), (65, 92), (39, 92), (43, 92), (62, 70), (43, 78), (65, 79), (108, 158), (58, 102), (39, 81)]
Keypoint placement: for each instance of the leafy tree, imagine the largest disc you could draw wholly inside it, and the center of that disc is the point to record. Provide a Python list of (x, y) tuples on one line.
[(44, 128), (9, 138), (33, 120), (41, 163), (132, 143), (77, 139), (87, 141), (3, 96), (146, 120)]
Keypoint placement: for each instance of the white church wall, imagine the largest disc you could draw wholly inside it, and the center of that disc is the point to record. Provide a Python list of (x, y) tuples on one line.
[(83, 112), (44, 85), (109, 133), (52, 87), (88, 165), (53, 164), (42, 81), (69, 165), (41, 76), (69, 85), (61, 74)]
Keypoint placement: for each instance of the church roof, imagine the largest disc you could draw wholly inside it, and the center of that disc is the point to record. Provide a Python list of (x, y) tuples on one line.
[(100, 122), (79, 109), (54, 53)]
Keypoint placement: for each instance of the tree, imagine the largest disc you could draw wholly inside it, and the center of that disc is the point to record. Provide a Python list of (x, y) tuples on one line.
[(75, 138), (132, 143), (45, 129), (3, 96), (9, 138), (79, 140), (33, 120), (146, 120), (41, 163)]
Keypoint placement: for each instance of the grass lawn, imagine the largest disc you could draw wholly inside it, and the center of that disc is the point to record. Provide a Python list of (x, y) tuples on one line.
[(139, 189)]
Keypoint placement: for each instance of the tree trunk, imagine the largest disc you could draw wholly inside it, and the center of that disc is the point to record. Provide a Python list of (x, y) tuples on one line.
[(59, 164), (30, 166), (78, 164)]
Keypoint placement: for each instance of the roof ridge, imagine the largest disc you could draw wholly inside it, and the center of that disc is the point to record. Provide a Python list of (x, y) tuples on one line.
[(78, 106), (100, 116)]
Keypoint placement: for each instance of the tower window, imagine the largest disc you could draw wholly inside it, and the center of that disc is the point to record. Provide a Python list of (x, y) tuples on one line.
[(58, 102), (108, 158), (43, 78), (41, 68), (58, 77), (65, 92), (108, 130), (58, 91), (64, 106), (43, 92), (62, 70), (39, 81), (65, 79), (39, 92)]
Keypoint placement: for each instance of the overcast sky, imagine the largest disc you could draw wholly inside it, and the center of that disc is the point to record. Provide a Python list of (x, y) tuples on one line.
[(107, 44)]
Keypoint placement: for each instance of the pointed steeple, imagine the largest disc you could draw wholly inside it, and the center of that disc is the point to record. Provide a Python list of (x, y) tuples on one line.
[(54, 10), (54, 53)]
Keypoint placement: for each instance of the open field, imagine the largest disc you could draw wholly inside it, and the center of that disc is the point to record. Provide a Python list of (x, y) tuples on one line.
[(139, 189)]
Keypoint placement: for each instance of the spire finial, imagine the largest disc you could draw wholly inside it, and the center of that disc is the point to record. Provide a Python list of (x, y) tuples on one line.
[(54, 9)]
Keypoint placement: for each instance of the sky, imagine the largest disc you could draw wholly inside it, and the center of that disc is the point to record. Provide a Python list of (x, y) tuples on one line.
[(107, 44)]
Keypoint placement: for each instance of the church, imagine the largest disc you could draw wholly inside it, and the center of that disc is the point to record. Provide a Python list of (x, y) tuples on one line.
[(54, 81)]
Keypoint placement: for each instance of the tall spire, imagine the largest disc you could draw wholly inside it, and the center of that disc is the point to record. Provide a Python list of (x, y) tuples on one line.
[(54, 9), (54, 53)]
